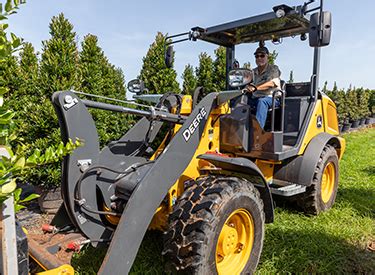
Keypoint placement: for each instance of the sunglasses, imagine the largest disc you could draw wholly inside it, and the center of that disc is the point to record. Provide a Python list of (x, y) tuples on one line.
[(260, 56)]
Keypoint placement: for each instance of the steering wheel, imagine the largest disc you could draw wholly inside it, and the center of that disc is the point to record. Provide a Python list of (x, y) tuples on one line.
[(252, 85)]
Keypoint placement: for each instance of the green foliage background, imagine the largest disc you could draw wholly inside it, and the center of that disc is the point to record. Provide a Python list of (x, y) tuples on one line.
[(189, 80), (31, 83), (15, 161)]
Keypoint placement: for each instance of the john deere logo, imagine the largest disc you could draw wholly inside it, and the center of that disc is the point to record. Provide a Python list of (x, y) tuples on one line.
[(319, 121), (194, 125)]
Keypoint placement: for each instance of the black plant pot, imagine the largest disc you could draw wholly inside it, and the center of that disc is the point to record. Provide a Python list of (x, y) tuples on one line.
[(355, 124), (345, 127), (367, 121), (362, 121)]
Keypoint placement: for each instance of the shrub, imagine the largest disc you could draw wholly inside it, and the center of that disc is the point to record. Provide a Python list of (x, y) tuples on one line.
[(342, 111), (371, 102), (219, 67), (204, 72), (363, 102), (190, 81), (352, 105), (99, 77)]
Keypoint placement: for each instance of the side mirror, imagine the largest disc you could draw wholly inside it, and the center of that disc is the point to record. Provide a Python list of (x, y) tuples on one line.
[(240, 77), (169, 56), (136, 86), (317, 38)]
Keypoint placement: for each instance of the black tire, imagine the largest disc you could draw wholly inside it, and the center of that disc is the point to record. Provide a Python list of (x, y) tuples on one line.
[(198, 218), (312, 201)]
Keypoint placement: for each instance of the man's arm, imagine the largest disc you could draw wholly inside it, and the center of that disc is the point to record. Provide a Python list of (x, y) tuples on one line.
[(269, 84), (265, 85)]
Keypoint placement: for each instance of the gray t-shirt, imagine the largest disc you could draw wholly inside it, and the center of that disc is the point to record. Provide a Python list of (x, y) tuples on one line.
[(271, 73)]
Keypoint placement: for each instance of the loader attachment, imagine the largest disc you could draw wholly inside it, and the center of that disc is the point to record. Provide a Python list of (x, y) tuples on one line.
[(152, 188)]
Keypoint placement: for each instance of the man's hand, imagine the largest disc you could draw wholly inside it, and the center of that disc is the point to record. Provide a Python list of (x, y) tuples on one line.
[(250, 89)]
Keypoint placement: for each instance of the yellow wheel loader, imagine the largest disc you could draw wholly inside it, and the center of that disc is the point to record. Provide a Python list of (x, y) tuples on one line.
[(210, 184)]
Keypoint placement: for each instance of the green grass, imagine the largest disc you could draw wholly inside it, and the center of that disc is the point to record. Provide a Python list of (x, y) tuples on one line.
[(333, 242)]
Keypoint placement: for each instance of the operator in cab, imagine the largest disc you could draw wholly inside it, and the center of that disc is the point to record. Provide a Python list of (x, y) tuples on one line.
[(266, 79)]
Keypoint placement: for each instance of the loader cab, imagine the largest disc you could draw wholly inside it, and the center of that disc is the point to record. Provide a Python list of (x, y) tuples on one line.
[(286, 126)]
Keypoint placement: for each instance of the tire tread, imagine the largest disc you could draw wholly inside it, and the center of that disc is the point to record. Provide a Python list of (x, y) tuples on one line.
[(185, 240)]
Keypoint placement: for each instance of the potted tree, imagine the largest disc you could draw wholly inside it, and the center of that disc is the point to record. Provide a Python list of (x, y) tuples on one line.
[(371, 105), (334, 95), (352, 105), (363, 97), (342, 111)]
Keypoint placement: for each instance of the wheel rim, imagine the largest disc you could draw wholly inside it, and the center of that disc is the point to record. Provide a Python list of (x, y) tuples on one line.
[(328, 182), (235, 243)]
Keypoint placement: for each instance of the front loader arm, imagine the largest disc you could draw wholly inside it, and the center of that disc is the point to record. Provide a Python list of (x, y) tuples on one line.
[(152, 188), (76, 122)]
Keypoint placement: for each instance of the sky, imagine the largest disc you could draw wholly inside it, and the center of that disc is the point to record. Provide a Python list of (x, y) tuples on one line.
[(126, 29)]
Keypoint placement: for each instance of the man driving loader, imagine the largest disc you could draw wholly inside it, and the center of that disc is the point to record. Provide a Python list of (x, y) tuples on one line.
[(266, 81)]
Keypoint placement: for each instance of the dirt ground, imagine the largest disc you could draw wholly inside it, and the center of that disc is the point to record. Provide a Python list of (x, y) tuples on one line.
[(52, 246)]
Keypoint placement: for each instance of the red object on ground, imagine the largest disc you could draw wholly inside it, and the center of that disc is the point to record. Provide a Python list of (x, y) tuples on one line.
[(47, 228), (74, 246)]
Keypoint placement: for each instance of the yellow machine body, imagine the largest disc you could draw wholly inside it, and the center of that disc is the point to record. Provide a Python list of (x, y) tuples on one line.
[(210, 142)]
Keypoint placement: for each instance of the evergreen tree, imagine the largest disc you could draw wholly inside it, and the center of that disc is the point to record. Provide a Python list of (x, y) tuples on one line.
[(352, 104), (204, 72), (9, 75), (114, 85), (29, 71), (190, 81), (157, 77), (92, 64), (102, 78), (59, 70), (291, 78), (325, 89), (119, 82), (219, 67), (340, 101), (99, 76), (363, 99), (334, 86), (371, 102), (59, 63), (272, 57), (29, 118)]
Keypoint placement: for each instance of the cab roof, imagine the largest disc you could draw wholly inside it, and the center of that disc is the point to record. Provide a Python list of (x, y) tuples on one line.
[(283, 21)]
